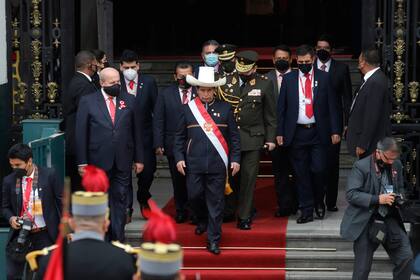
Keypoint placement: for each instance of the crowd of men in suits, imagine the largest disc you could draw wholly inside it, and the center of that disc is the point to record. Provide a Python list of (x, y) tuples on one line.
[(126, 121), (212, 124)]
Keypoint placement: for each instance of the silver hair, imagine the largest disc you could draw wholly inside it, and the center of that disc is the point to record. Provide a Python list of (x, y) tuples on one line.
[(387, 144)]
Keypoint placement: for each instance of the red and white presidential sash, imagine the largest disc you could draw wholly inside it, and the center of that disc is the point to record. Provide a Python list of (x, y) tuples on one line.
[(210, 128)]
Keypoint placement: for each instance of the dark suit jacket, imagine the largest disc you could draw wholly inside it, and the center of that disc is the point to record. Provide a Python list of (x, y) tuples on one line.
[(102, 143), (327, 117), (145, 100), (50, 190), (272, 75), (339, 75), (166, 116), (79, 86), (369, 120), (362, 194), (193, 146), (93, 259)]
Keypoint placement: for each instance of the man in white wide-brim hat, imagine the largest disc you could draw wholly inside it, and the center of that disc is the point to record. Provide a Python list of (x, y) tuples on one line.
[(206, 146)]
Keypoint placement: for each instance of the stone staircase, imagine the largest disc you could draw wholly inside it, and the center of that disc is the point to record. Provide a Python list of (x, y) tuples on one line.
[(322, 234)]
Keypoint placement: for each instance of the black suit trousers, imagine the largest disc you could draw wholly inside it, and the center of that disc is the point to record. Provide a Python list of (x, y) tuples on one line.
[(284, 185), (333, 167), (73, 172), (308, 156), (145, 178), (179, 186), (397, 245), (119, 193), (206, 196), (39, 240)]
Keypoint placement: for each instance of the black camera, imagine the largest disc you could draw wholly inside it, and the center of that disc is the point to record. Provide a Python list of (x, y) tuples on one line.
[(399, 200), (26, 226)]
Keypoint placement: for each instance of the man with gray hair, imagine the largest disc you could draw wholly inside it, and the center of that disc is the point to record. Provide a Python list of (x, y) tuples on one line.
[(80, 85), (375, 191)]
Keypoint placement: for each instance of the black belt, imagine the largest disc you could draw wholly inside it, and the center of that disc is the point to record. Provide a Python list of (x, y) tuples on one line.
[(308, 125), (36, 230)]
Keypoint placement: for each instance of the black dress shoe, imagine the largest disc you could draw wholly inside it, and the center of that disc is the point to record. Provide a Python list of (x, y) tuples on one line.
[(180, 218), (304, 219), (244, 224), (200, 229), (228, 218), (213, 248), (332, 209), (320, 211)]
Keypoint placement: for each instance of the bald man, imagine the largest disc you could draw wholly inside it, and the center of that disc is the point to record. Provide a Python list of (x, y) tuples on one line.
[(107, 137)]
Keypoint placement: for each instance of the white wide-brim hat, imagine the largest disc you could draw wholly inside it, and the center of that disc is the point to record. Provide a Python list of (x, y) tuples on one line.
[(205, 78)]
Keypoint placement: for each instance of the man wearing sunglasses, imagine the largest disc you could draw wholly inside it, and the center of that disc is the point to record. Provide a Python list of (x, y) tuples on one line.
[(374, 189)]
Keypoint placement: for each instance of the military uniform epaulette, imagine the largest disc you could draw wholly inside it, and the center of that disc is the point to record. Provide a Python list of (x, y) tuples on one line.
[(32, 257)]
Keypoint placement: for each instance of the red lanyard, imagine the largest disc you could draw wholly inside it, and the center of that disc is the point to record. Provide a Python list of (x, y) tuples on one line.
[(26, 199)]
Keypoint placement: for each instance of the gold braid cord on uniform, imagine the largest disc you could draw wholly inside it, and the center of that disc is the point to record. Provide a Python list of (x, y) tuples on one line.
[(229, 98)]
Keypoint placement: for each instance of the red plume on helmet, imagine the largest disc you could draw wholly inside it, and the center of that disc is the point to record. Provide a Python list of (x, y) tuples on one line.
[(95, 179), (160, 227)]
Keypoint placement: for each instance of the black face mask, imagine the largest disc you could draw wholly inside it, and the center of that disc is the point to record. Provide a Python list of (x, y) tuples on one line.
[(382, 165), (228, 66), (281, 65), (113, 90), (246, 78), (305, 68), (20, 172), (106, 64), (182, 83), (323, 55)]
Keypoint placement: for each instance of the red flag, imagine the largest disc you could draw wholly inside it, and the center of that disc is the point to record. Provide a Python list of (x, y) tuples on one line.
[(55, 265)]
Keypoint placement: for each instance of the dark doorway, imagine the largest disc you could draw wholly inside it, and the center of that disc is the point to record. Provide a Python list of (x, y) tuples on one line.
[(159, 27)]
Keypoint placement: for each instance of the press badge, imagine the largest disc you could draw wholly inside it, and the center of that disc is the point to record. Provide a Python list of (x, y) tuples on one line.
[(254, 92), (37, 207), (389, 189)]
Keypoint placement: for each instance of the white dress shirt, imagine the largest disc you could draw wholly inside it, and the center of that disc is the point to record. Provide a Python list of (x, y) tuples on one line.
[(280, 77), (35, 204), (181, 94), (107, 101), (327, 64), (302, 118), (134, 90), (86, 75), (365, 78)]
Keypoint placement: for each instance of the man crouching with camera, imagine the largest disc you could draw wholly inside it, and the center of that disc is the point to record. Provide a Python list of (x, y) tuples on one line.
[(32, 205), (375, 191)]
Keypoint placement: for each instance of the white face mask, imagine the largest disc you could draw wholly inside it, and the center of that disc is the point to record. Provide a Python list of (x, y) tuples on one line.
[(130, 74)]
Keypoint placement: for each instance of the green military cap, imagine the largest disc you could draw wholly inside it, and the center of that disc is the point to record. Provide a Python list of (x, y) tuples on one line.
[(245, 61), (226, 51)]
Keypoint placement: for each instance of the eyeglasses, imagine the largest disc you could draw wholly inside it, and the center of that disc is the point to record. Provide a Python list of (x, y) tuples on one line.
[(397, 155)]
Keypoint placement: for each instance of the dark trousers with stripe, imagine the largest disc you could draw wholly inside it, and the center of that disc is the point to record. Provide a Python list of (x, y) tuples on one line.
[(206, 196)]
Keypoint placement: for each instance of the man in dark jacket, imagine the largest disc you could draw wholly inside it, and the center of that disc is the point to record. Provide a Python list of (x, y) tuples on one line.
[(80, 85), (207, 139), (372, 217), (31, 195), (167, 112), (371, 107)]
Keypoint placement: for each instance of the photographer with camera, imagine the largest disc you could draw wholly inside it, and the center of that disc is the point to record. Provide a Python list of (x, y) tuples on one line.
[(32, 205), (375, 191)]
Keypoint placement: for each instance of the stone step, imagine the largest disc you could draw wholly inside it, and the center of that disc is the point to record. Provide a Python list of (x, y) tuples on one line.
[(337, 275), (342, 260)]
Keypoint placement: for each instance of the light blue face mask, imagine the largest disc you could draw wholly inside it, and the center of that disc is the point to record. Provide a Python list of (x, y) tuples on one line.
[(211, 59)]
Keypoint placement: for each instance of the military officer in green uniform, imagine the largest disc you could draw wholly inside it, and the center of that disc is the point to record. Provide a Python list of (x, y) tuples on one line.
[(229, 93), (256, 119)]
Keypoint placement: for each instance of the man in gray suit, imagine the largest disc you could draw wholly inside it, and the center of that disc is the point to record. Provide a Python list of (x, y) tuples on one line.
[(372, 218)]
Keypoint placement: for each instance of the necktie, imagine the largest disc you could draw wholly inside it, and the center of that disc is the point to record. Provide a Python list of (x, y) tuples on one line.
[(184, 96), (131, 84), (323, 67), (27, 195), (111, 108), (308, 97)]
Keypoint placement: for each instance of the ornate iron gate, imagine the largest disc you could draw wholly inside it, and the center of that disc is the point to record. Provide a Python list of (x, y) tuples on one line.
[(36, 47), (398, 37)]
